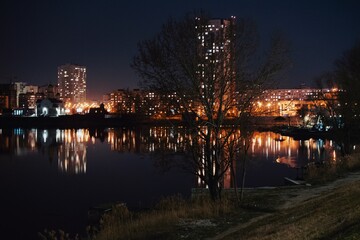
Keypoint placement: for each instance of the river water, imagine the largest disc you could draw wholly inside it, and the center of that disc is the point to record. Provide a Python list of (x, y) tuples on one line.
[(50, 178)]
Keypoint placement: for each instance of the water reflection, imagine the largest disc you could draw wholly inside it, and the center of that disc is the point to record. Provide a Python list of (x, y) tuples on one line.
[(294, 153), (72, 153), (69, 146)]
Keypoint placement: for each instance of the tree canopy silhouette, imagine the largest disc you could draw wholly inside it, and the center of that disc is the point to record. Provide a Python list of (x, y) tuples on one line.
[(217, 71)]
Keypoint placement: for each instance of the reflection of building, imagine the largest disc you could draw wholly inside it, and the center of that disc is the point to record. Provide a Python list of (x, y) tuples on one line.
[(69, 146), (72, 153), (72, 83), (72, 157), (17, 141)]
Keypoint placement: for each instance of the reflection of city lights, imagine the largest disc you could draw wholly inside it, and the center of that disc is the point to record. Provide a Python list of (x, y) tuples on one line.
[(45, 135), (291, 162), (72, 144), (80, 135)]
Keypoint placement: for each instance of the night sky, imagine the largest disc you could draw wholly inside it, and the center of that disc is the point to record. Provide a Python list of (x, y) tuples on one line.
[(38, 36)]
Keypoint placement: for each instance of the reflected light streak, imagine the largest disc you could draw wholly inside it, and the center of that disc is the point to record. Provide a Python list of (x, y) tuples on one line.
[(71, 144)]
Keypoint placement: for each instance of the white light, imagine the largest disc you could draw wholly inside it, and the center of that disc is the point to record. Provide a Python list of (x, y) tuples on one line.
[(45, 135), (45, 111)]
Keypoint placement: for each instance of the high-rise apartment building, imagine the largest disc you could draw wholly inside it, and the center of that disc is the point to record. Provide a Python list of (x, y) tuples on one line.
[(72, 83), (216, 67), (215, 37)]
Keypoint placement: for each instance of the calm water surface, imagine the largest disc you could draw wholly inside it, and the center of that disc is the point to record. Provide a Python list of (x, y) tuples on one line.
[(49, 178)]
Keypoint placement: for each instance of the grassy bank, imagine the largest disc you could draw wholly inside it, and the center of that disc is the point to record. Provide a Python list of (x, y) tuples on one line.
[(334, 215), (172, 218), (327, 210)]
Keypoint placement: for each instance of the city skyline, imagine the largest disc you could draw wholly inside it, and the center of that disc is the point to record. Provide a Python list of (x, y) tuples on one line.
[(40, 35)]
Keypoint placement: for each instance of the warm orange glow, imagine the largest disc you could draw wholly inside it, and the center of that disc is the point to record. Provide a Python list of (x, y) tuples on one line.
[(83, 107)]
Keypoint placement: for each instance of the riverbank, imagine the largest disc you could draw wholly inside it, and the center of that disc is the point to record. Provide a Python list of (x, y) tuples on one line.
[(324, 209), (329, 211)]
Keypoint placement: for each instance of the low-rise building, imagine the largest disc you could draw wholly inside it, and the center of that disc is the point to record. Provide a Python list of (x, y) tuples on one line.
[(49, 107)]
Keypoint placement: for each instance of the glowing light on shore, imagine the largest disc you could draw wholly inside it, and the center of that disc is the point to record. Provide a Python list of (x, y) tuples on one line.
[(83, 107)]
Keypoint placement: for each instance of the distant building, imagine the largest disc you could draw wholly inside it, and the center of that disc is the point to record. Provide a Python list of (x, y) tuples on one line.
[(49, 91), (287, 102), (7, 96), (31, 89), (118, 100), (27, 102), (101, 111), (31, 94), (49, 107), (72, 83), (20, 88)]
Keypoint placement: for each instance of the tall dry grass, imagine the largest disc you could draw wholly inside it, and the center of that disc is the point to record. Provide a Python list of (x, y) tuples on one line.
[(329, 171), (158, 223)]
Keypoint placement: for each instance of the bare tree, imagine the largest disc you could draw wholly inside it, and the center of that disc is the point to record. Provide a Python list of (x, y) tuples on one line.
[(347, 76), (328, 95), (216, 71), (343, 99)]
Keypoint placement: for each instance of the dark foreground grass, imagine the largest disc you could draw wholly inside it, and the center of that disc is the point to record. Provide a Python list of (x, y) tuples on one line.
[(332, 215), (335, 215), (176, 218)]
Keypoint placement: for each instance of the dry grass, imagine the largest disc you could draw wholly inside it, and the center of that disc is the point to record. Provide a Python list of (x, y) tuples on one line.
[(160, 222), (332, 215), (329, 171)]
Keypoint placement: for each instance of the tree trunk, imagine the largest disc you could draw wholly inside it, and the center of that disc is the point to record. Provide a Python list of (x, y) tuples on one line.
[(214, 190), (233, 175), (243, 175)]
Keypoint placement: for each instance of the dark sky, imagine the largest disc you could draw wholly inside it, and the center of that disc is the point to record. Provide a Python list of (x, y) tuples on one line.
[(37, 36)]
